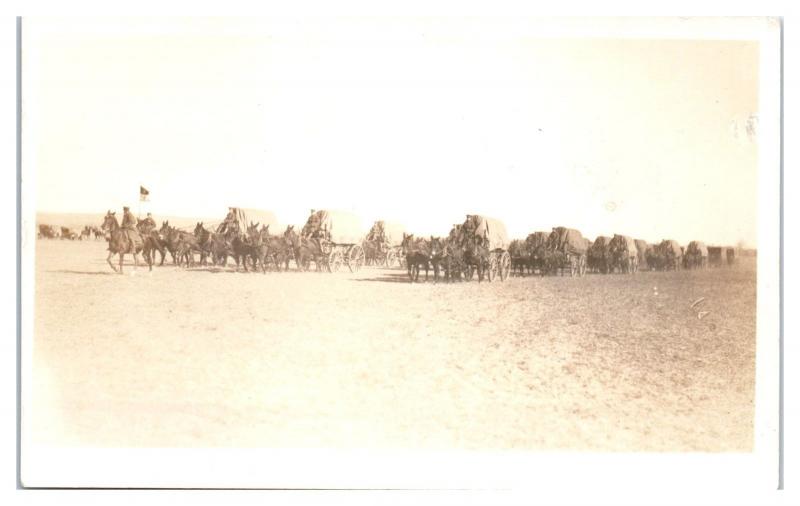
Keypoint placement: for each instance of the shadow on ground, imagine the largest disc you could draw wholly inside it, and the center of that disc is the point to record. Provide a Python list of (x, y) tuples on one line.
[(91, 273)]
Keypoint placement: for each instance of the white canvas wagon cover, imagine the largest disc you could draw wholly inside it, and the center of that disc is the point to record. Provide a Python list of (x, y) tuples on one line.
[(490, 229), (626, 243), (248, 216), (697, 248), (392, 232), (244, 217), (342, 226), (672, 247), (568, 240)]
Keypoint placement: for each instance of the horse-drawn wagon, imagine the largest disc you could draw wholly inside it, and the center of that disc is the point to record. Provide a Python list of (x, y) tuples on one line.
[(490, 234), (696, 256), (383, 244), (567, 249), (68, 233), (671, 254), (624, 254), (338, 234), (47, 232)]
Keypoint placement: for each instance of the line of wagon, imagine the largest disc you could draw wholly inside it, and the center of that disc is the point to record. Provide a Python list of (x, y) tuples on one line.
[(331, 241)]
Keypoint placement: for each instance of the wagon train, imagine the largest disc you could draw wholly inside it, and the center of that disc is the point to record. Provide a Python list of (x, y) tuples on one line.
[(566, 251)]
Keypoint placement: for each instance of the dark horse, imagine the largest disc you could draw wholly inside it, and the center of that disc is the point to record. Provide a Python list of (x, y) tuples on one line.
[(181, 245), (374, 252), (213, 244), (476, 255), (268, 247), (418, 254), (122, 242), (440, 258), (305, 250), (157, 244), (454, 263), (243, 248)]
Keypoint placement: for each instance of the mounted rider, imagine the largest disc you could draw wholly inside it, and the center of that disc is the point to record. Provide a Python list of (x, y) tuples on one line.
[(148, 224), (129, 227)]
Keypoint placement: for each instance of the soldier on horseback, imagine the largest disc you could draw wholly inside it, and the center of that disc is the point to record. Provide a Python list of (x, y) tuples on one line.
[(128, 219), (146, 225), (129, 227), (149, 223)]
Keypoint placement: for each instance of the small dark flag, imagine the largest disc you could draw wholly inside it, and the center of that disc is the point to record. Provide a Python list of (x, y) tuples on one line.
[(143, 193)]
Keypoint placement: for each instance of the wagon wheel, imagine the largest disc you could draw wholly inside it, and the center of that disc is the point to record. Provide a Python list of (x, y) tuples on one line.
[(505, 265), (391, 260), (335, 261), (493, 268), (355, 258)]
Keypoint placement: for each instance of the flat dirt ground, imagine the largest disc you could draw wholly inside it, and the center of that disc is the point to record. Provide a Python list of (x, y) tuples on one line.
[(201, 358)]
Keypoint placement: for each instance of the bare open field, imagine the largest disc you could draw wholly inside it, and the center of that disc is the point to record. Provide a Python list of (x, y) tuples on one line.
[(200, 358)]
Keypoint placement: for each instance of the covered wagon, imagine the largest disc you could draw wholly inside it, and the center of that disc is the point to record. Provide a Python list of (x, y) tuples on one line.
[(567, 249), (715, 256), (624, 254), (239, 218), (47, 232), (671, 254), (339, 234), (491, 233), (696, 256), (382, 245)]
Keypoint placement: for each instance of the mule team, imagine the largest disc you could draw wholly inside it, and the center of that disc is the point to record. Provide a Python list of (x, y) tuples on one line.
[(606, 255), (255, 247)]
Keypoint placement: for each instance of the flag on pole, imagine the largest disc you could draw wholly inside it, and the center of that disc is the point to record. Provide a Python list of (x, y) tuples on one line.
[(143, 193)]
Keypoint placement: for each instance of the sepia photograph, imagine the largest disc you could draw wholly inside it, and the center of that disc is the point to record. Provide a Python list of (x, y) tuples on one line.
[(418, 239)]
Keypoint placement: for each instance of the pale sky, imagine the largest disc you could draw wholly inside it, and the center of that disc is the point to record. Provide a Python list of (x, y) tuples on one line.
[(418, 121)]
